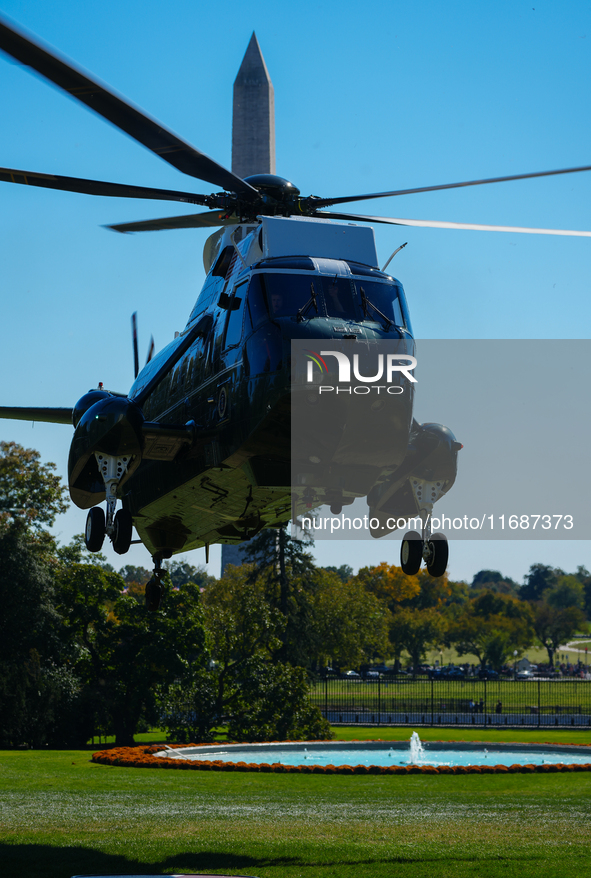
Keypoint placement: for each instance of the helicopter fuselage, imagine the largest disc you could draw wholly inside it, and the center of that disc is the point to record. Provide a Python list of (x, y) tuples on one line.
[(207, 424)]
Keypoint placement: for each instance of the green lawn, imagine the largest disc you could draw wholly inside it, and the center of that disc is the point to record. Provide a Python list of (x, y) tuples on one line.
[(420, 695), (62, 815)]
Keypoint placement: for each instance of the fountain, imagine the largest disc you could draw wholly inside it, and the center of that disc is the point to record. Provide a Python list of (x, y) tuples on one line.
[(417, 751), (438, 754)]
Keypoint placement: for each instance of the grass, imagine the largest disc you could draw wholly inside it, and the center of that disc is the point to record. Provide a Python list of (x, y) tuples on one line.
[(62, 815)]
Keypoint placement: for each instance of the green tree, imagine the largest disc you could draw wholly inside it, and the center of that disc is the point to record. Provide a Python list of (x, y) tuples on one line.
[(344, 572), (491, 627), (540, 578), (35, 693), (568, 592), (30, 493), (181, 573), (122, 653), (351, 623), (273, 705), (244, 685), (287, 571), (493, 580), (416, 631), (555, 626)]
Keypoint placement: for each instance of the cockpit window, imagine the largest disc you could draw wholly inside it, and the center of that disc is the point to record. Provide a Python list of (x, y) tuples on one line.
[(339, 298), (286, 294), (257, 308), (378, 299), (222, 265), (235, 314)]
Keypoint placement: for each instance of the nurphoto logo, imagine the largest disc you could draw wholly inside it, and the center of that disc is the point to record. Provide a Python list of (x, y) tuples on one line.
[(390, 367)]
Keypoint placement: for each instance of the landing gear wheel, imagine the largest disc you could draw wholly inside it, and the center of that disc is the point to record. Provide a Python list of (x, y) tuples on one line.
[(438, 550), (122, 526), (153, 594), (411, 552), (94, 533)]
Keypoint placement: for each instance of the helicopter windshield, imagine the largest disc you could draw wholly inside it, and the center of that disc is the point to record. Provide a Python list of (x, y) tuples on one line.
[(286, 294), (381, 299), (338, 295)]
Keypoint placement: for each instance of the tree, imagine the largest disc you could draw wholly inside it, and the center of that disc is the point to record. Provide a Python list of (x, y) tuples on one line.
[(181, 573), (273, 705), (351, 623), (33, 688), (493, 580), (568, 592), (491, 627), (30, 493), (416, 631), (241, 625), (555, 626), (132, 574), (389, 584), (344, 572), (244, 684), (287, 571), (540, 578), (121, 652)]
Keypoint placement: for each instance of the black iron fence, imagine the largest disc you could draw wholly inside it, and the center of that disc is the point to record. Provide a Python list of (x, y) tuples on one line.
[(421, 701)]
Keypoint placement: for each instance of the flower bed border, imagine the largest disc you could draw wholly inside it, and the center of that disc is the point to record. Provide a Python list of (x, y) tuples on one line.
[(144, 757)]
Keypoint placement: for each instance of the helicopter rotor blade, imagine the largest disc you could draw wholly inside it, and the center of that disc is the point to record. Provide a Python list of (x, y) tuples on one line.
[(436, 224), (123, 115), (214, 219), (97, 187), (41, 415), (327, 202), (136, 358)]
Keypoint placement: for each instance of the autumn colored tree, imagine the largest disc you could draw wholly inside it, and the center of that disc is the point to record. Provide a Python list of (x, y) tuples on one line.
[(389, 584)]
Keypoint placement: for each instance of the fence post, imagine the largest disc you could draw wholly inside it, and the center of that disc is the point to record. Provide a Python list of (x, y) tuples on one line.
[(485, 708), (432, 700), (379, 699), (326, 696), (539, 703)]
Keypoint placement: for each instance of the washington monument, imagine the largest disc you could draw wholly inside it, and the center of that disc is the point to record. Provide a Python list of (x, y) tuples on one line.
[(253, 152), (253, 120)]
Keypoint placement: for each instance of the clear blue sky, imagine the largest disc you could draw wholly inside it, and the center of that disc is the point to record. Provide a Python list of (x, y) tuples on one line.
[(368, 97)]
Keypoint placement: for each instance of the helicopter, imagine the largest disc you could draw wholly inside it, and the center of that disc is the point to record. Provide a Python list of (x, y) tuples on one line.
[(199, 450)]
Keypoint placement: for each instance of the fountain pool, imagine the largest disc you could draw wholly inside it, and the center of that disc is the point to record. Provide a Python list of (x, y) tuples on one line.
[(387, 753)]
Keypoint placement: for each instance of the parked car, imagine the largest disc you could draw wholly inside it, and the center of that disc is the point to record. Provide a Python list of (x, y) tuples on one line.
[(351, 675), (447, 674), (524, 675), (488, 674)]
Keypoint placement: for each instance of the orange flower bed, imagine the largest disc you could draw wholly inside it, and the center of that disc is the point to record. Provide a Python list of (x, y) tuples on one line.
[(144, 757)]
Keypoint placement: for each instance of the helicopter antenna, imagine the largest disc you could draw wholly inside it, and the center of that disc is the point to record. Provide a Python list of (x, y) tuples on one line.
[(150, 351), (393, 255)]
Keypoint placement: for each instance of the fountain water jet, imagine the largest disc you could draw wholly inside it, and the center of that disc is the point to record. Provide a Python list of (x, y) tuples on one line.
[(417, 751)]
